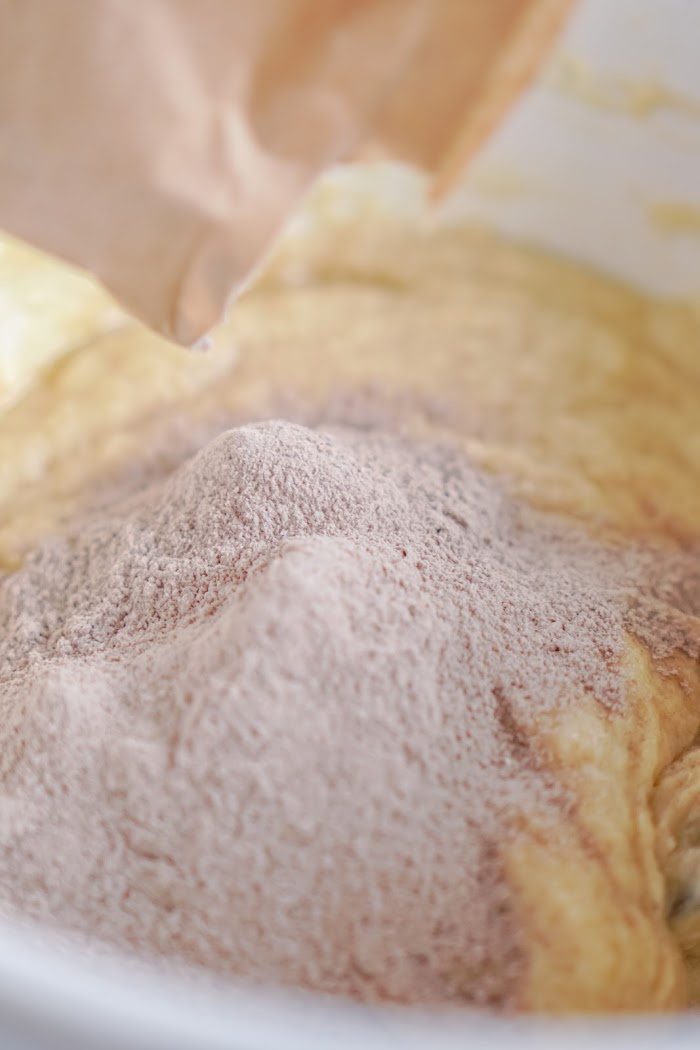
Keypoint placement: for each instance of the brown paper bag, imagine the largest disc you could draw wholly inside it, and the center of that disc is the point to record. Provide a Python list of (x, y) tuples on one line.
[(160, 144)]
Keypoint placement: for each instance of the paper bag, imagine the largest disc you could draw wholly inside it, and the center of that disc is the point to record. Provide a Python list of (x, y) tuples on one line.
[(160, 144)]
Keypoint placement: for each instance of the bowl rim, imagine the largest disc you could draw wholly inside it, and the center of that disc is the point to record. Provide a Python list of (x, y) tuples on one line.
[(53, 995)]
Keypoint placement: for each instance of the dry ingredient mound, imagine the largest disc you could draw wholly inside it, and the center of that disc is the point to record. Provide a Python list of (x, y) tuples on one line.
[(272, 714)]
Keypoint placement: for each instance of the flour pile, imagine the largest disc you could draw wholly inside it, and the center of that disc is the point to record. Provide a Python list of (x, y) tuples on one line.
[(272, 714)]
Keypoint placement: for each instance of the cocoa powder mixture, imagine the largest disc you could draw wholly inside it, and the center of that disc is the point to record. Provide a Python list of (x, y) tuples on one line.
[(272, 714)]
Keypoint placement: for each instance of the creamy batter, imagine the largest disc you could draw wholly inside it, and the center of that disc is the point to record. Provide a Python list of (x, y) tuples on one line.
[(580, 396)]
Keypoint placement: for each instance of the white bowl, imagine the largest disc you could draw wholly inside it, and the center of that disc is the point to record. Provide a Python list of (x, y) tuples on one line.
[(600, 161)]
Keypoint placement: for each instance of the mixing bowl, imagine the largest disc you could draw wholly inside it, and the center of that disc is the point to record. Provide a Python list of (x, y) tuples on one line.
[(600, 161)]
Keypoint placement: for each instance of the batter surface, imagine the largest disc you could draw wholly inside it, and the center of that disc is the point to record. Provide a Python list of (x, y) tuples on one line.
[(574, 396)]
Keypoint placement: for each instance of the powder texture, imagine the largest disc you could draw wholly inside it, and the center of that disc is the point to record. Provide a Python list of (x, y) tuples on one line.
[(272, 714)]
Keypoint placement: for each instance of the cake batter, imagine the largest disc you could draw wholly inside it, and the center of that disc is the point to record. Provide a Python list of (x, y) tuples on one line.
[(544, 382)]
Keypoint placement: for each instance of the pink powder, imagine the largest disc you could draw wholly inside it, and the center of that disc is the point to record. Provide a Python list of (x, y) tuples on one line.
[(270, 715)]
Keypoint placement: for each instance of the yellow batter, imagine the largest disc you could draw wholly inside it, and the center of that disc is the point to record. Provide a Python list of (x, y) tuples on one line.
[(583, 394)]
